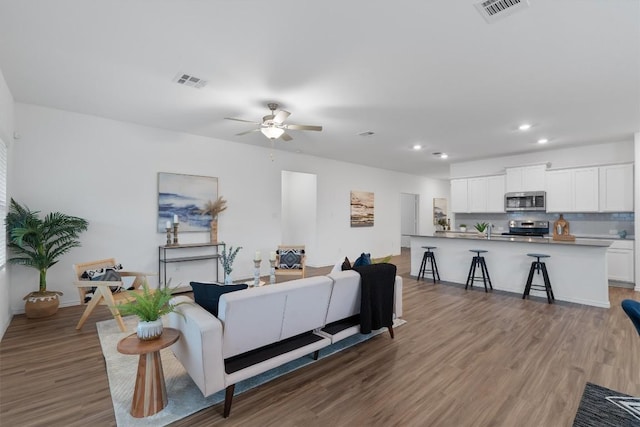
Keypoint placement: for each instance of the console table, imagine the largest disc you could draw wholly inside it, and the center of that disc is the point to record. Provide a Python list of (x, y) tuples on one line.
[(189, 252)]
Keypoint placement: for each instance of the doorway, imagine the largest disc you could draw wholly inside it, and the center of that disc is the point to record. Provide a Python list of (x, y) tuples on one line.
[(408, 217), (299, 211)]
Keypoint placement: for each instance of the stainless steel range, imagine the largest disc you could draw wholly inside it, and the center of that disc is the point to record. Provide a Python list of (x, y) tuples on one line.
[(528, 228)]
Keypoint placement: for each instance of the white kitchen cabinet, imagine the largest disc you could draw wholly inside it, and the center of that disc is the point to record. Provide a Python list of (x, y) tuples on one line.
[(559, 191), (459, 195), (477, 194), (526, 178), (620, 261), (481, 194), (572, 190), (585, 190), (495, 193), (616, 188)]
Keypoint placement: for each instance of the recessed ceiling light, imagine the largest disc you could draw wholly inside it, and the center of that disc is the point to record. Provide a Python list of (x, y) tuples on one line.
[(524, 126), (444, 155), (417, 147), (543, 141)]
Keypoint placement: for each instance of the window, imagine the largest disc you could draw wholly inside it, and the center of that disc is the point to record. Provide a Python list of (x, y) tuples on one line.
[(3, 202)]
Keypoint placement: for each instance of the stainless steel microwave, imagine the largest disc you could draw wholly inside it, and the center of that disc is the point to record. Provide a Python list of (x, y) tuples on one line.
[(525, 201)]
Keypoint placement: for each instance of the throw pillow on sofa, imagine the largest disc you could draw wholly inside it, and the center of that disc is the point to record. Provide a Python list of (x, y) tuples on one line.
[(207, 295), (363, 259), (346, 265)]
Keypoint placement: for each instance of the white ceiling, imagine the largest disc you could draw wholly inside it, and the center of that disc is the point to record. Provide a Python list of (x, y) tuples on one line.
[(431, 72)]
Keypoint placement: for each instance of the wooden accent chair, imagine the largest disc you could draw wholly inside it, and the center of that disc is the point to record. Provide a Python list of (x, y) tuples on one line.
[(290, 261), (103, 294)]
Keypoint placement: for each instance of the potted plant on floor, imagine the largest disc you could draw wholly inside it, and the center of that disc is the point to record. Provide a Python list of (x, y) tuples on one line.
[(39, 243), (149, 305)]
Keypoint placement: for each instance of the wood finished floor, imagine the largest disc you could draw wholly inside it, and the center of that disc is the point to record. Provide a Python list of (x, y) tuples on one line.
[(464, 358)]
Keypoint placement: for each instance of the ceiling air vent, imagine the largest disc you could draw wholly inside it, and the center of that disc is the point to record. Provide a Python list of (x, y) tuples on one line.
[(191, 81), (492, 10)]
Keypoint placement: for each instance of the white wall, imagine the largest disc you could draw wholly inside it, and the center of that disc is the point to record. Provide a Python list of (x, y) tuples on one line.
[(636, 207), (588, 155), (299, 211), (6, 135), (106, 171)]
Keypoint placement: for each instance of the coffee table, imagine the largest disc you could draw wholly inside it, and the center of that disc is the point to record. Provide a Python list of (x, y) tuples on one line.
[(150, 393)]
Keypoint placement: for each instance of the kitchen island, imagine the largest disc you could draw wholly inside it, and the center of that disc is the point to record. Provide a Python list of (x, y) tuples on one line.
[(577, 270)]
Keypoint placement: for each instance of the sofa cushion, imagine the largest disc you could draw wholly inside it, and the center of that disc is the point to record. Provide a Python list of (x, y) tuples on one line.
[(207, 295)]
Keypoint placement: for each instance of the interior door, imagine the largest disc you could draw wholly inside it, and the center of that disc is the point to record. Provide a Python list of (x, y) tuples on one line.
[(408, 218)]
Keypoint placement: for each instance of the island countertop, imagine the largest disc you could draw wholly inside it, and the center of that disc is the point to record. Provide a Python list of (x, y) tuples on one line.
[(578, 269), (521, 239)]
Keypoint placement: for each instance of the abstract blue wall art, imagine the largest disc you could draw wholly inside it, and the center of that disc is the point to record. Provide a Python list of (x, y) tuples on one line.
[(184, 196)]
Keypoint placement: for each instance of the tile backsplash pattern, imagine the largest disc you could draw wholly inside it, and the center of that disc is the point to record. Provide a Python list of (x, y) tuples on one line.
[(581, 223)]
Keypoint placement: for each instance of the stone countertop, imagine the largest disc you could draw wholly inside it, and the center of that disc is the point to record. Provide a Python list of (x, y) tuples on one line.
[(518, 239)]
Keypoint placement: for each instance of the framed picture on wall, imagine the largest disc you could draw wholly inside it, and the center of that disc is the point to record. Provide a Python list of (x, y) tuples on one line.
[(439, 210), (185, 196), (361, 209)]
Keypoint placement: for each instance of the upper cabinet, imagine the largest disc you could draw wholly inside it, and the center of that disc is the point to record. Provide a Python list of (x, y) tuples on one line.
[(526, 178), (459, 195), (483, 194), (616, 188), (572, 190)]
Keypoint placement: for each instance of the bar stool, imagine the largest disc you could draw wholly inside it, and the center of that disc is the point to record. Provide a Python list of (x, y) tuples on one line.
[(431, 258), (536, 266), (478, 260)]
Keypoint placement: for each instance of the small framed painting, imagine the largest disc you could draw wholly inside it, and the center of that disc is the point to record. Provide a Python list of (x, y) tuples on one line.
[(361, 209), (184, 196), (439, 210)]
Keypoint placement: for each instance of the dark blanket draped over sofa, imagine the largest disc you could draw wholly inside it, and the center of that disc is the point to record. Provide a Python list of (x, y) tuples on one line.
[(377, 288)]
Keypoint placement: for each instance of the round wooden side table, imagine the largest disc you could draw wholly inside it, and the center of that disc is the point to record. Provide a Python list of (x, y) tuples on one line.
[(150, 393)]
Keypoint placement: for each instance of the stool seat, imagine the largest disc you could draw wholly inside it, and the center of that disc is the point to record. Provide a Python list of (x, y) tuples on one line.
[(538, 266), (429, 257), (539, 255), (478, 261)]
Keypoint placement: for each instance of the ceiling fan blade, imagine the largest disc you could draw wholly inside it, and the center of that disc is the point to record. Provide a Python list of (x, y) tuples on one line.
[(242, 120), (281, 116), (303, 127), (286, 137), (247, 131)]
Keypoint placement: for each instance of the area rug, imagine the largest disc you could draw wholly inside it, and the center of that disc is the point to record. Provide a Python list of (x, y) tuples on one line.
[(184, 396), (602, 407)]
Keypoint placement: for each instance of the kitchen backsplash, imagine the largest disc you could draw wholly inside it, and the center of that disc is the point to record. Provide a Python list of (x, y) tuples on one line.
[(594, 224)]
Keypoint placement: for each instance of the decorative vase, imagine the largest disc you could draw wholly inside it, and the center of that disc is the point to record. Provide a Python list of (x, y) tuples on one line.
[(213, 232), (463, 229), (41, 304), (149, 330), (227, 279)]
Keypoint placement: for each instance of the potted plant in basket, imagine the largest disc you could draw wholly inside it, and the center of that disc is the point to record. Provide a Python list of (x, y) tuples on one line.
[(149, 305), (39, 243), (227, 258), (213, 208)]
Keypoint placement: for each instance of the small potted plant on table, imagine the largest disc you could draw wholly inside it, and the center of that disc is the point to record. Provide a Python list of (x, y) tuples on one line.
[(149, 305)]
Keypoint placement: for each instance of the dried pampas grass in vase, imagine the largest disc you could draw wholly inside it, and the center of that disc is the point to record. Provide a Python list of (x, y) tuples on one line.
[(214, 208)]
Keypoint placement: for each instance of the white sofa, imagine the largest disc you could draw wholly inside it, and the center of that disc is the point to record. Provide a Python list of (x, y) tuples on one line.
[(258, 329)]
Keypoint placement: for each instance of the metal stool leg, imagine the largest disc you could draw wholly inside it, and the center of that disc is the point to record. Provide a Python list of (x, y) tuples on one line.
[(435, 266), (434, 269), (547, 283), (423, 266), (472, 272), (527, 287), (483, 268)]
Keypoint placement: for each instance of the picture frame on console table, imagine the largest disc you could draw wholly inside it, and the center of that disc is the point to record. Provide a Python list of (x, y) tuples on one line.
[(184, 195)]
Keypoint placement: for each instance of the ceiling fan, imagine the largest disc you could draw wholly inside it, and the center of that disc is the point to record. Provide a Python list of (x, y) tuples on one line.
[(273, 126)]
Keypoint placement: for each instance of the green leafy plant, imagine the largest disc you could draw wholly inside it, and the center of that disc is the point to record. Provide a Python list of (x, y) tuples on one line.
[(463, 225), (39, 243), (228, 257), (149, 305), (481, 227)]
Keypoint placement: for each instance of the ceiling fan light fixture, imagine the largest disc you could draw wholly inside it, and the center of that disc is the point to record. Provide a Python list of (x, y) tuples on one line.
[(272, 132)]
